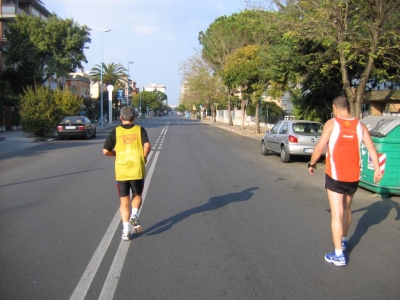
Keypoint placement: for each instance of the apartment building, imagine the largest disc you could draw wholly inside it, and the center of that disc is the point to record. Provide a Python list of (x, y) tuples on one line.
[(9, 9), (79, 84)]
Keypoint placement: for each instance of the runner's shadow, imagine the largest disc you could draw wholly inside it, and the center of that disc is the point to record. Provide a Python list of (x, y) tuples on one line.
[(213, 204), (374, 214)]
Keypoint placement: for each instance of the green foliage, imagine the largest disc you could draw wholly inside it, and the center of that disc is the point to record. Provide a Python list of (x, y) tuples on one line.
[(273, 111), (42, 109), (111, 74), (48, 47)]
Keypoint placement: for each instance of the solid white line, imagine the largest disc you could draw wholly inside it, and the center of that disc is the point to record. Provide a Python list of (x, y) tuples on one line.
[(91, 270), (111, 282)]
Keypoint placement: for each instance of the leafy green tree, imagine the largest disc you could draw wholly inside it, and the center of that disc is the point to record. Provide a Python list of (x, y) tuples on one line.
[(244, 70), (42, 109), (151, 100), (52, 46), (202, 85), (364, 34), (227, 34)]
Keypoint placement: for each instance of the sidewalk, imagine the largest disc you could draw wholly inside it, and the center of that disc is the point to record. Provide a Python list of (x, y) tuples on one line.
[(16, 140), (249, 131)]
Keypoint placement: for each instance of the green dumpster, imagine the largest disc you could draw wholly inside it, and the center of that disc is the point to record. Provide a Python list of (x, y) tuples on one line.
[(386, 138)]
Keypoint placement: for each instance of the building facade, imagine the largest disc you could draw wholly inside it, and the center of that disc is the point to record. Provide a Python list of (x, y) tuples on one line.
[(9, 9), (155, 87)]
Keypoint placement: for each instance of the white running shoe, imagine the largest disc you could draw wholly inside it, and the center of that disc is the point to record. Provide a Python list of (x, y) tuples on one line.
[(126, 235), (137, 228)]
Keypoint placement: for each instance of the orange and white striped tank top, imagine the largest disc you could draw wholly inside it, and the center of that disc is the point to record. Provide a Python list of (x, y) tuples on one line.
[(343, 156)]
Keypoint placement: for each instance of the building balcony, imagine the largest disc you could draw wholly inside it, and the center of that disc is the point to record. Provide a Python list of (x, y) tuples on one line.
[(10, 11)]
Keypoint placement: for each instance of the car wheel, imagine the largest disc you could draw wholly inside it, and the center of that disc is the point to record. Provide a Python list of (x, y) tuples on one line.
[(264, 149), (94, 134), (86, 136), (285, 157)]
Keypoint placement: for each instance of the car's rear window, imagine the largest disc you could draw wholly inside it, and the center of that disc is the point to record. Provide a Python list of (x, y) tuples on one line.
[(73, 120), (308, 128)]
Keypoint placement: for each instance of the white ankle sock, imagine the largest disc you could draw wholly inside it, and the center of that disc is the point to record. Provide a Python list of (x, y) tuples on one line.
[(135, 211), (125, 226), (338, 252)]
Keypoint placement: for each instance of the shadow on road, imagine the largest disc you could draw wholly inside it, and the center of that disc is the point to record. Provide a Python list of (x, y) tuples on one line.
[(374, 214), (213, 204)]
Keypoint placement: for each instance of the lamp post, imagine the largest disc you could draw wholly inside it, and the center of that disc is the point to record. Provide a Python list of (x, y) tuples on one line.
[(267, 113), (140, 94), (101, 78), (127, 93)]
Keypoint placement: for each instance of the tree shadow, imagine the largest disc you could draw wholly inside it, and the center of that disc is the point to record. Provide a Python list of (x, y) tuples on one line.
[(213, 203), (374, 214)]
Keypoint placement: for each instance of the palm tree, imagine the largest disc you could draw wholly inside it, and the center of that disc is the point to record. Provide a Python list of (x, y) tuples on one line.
[(112, 74)]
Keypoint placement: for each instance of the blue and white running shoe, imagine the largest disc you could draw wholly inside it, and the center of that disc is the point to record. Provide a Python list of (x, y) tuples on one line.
[(336, 260)]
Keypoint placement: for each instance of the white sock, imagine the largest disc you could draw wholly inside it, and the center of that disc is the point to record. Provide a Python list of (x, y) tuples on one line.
[(338, 252), (344, 238), (125, 226), (135, 211)]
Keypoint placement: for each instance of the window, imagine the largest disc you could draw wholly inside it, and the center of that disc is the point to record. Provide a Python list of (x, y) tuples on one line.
[(276, 127), (308, 128), (284, 128)]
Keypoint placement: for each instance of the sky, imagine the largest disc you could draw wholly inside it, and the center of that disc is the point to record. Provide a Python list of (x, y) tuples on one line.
[(156, 35)]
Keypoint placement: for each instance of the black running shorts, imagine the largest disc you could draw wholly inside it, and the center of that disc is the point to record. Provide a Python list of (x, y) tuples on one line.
[(123, 187), (340, 187)]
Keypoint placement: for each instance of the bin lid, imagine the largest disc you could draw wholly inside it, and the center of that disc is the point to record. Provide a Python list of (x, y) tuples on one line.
[(380, 126)]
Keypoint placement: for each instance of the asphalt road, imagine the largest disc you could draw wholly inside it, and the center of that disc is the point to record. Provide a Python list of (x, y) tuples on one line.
[(220, 222)]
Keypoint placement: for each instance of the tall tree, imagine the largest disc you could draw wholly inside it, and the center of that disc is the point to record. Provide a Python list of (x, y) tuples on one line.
[(227, 34), (52, 46), (111, 74), (365, 35), (244, 70), (202, 86)]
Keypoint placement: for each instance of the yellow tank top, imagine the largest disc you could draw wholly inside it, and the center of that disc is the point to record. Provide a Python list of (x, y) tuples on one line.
[(129, 160)]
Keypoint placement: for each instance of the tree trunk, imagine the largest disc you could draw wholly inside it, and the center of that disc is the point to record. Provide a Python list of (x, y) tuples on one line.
[(229, 108), (257, 117), (243, 112)]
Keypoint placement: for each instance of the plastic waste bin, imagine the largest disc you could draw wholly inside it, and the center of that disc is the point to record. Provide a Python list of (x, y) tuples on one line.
[(386, 138)]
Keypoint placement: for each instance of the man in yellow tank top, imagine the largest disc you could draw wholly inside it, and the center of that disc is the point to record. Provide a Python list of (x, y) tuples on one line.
[(344, 135), (130, 145)]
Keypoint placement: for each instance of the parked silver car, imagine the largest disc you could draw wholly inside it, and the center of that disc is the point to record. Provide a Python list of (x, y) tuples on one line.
[(292, 137)]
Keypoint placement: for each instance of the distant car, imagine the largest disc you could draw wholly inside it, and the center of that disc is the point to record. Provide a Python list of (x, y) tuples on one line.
[(76, 126), (292, 137)]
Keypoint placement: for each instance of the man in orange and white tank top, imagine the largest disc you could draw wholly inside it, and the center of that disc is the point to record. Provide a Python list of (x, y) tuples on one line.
[(343, 134)]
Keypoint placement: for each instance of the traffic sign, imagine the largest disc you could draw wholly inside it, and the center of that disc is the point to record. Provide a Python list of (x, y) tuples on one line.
[(120, 94)]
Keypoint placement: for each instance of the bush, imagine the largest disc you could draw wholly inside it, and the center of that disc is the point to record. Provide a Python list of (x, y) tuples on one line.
[(42, 109)]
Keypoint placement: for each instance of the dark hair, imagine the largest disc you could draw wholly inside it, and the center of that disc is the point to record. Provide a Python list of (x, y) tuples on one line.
[(341, 102), (128, 113)]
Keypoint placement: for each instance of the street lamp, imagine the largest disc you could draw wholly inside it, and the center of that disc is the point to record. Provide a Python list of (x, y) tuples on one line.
[(140, 94), (127, 93), (267, 113), (101, 78)]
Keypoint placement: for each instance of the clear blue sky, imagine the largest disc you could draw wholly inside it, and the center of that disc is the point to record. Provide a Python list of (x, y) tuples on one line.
[(156, 35)]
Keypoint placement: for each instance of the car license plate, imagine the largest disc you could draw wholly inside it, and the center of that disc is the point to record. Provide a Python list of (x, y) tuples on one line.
[(308, 150), (70, 127)]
